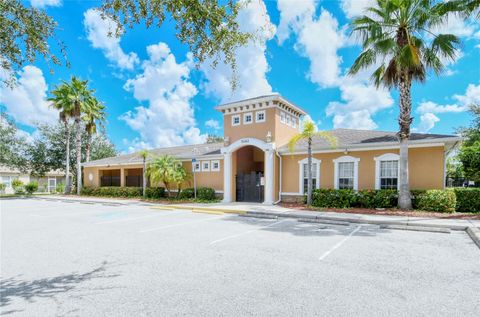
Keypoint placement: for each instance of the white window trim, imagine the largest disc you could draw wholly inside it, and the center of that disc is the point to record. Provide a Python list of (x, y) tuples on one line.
[(264, 116), (346, 159), (301, 170), (385, 157), (233, 120), (283, 117), (205, 169), (48, 183), (196, 166), (245, 116), (212, 164)]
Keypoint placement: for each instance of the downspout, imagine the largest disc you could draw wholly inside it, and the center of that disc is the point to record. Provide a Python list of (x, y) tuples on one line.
[(279, 179)]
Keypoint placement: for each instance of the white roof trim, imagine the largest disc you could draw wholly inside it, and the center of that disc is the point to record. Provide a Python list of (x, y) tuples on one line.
[(267, 98)]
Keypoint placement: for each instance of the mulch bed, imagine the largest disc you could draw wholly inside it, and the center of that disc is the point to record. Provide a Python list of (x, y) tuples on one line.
[(386, 212)]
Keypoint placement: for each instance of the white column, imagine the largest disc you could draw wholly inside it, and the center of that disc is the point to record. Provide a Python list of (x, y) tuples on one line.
[(269, 181), (227, 177)]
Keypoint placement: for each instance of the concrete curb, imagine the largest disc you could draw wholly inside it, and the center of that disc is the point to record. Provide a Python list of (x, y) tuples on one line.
[(415, 228), (326, 222), (474, 233)]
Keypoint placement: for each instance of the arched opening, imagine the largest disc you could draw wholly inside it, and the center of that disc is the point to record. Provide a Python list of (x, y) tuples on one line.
[(249, 174)]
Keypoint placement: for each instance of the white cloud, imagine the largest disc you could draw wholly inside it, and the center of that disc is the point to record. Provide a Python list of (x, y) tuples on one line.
[(252, 64), (455, 25), (428, 109), (168, 119), (355, 8), (26, 102), (98, 31), (45, 3), (213, 124), (292, 16)]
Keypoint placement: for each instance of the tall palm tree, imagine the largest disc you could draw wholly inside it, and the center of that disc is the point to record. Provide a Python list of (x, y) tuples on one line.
[(398, 40), (93, 114), (309, 132), (144, 155), (59, 101)]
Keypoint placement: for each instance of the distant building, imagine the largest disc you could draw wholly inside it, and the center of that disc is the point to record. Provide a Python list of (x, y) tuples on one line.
[(47, 183)]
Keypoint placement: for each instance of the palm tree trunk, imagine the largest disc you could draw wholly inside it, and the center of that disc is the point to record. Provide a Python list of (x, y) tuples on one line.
[(309, 166), (79, 153), (67, 148), (404, 120), (87, 147), (144, 185)]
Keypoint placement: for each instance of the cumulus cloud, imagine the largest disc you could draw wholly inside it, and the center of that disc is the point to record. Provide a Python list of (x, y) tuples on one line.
[(428, 109), (26, 102), (98, 33), (168, 119), (252, 65), (292, 16), (45, 3), (212, 124), (355, 8)]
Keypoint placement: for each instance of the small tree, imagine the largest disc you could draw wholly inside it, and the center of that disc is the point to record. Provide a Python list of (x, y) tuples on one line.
[(162, 170), (31, 187), (308, 134)]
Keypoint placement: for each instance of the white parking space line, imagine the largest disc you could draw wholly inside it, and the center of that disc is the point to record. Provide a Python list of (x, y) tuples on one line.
[(128, 219), (246, 232), (339, 244), (180, 224)]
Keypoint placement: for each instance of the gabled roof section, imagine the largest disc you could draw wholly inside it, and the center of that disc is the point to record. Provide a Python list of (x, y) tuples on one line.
[(352, 139), (267, 100), (180, 152)]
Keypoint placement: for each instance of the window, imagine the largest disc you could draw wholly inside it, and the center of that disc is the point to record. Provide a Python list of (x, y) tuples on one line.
[(247, 118), (215, 166), (205, 166), (7, 180), (196, 166), (294, 122), (282, 117), (52, 184), (303, 181), (386, 171), (346, 172), (260, 116), (235, 120), (288, 121)]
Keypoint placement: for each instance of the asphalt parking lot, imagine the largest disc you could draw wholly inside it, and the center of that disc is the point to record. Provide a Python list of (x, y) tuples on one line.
[(78, 259)]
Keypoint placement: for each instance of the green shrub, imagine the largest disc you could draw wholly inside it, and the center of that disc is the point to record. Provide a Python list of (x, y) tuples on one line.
[(334, 198), (60, 188), (2, 187), (155, 192), (31, 187), (436, 200), (384, 198), (206, 193), (468, 199), (124, 192), (186, 193), (18, 186)]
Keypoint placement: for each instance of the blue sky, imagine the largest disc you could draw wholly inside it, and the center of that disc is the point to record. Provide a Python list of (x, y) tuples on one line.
[(155, 96)]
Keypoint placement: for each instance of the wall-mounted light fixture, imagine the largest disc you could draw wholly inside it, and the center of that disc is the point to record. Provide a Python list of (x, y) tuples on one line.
[(226, 141), (269, 137), (345, 151)]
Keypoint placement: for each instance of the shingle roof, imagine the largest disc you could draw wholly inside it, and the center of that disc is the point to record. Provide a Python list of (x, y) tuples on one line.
[(180, 152), (359, 138)]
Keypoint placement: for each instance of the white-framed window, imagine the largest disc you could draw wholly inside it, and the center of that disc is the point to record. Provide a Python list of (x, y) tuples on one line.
[(260, 116), (205, 166), (294, 122), (387, 171), (283, 117), (346, 172), (215, 166), (52, 184), (303, 175), (247, 118), (289, 120), (196, 166), (7, 180), (235, 120)]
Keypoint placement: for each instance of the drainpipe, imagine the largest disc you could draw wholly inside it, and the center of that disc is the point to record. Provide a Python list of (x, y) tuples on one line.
[(279, 180)]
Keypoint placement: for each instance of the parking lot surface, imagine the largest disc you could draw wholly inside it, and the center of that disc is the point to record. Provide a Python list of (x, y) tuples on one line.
[(84, 259)]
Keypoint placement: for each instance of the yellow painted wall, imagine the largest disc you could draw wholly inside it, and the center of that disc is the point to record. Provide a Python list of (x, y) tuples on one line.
[(252, 130)]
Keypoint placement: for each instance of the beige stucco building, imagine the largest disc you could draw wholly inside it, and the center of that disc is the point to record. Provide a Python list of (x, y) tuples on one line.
[(254, 164)]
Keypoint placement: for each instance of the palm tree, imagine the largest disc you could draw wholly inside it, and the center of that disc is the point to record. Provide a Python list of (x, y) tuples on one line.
[(60, 102), (397, 38), (309, 132), (144, 154), (93, 115), (162, 170)]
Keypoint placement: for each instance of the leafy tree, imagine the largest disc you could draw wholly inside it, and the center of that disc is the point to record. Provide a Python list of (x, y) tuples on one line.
[(212, 138), (180, 175), (209, 27), (24, 34), (167, 170), (309, 132), (454, 167), (76, 97), (12, 145), (469, 153), (397, 36), (144, 155), (94, 114)]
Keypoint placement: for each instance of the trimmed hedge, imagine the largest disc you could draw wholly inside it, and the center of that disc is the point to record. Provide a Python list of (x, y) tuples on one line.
[(31, 187), (155, 192), (436, 200), (124, 192), (334, 198), (468, 199), (186, 193), (203, 193)]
